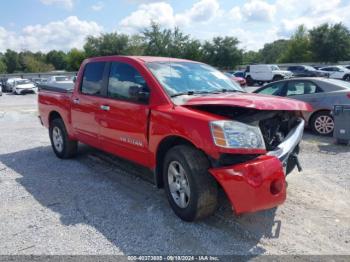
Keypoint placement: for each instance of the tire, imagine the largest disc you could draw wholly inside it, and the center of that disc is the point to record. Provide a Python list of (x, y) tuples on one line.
[(277, 78), (346, 78), (58, 135), (322, 123), (250, 81), (198, 186)]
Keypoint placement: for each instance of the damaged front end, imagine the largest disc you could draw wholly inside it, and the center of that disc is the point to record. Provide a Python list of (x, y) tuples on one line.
[(281, 130)]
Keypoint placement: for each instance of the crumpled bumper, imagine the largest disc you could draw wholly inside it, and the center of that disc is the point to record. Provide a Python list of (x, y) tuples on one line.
[(259, 184)]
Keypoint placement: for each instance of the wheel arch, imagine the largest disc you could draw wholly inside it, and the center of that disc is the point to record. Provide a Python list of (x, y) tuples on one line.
[(164, 146), (54, 115)]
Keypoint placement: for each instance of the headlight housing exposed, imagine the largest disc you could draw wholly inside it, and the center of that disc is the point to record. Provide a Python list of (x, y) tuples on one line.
[(233, 134)]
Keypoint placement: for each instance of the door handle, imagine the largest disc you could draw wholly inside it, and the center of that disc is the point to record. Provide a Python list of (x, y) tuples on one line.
[(104, 107), (76, 101)]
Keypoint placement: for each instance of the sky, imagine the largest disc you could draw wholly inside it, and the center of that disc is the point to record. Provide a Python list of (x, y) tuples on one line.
[(43, 25)]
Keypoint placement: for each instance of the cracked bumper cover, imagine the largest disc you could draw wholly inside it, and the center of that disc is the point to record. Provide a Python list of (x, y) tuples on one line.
[(259, 184)]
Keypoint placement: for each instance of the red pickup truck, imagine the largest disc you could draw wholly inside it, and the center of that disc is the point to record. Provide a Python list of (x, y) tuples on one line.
[(187, 122)]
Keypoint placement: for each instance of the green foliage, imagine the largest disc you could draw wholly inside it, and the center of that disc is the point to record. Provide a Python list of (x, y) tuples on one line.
[(298, 47), (57, 59), (330, 43), (74, 58), (325, 43), (222, 52), (11, 60), (107, 44), (272, 52)]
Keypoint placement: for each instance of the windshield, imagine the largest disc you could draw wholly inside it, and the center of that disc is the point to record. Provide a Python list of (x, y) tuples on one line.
[(310, 68), (182, 77), (275, 67), (340, 83), (22, 82), (62, 78)]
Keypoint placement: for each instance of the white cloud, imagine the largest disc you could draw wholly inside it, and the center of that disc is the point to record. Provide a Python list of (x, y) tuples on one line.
[(63, 35), (315, 14), (68, 4), (163, 13), (235, 14), (258, 10), (98, 6)]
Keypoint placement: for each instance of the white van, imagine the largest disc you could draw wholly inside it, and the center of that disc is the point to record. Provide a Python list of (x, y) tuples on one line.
[(265, 73)]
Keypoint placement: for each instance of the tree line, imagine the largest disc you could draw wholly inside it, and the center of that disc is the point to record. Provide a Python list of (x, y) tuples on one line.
[(325, 43)]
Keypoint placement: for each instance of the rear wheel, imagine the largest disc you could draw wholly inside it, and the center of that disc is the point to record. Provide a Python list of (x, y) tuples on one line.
[(191, 190), (346, 78), (322, 123), (60, 142), (277, 78)]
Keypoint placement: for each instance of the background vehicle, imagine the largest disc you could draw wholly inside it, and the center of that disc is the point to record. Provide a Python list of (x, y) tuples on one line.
[(321, 93), (241, 81), (21, 86), (185, 121), (307, 71), (338, 72), (265, 73), (40, 81), (60, 79)]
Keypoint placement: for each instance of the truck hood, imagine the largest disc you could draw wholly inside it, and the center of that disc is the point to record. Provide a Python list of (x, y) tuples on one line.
[(247, 100)]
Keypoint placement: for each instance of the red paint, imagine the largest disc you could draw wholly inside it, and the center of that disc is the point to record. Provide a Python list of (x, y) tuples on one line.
[(248, 185)]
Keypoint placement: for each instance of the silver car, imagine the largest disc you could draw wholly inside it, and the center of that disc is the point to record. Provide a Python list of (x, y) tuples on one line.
[(321, 93)]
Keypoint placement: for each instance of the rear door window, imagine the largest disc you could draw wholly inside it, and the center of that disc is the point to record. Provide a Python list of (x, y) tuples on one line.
[(92, 83), (302, 88)]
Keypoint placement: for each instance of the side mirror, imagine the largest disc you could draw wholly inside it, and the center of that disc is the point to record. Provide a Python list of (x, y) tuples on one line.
[(139, 93)]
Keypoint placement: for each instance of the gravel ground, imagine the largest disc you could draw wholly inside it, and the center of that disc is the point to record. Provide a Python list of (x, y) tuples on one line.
[(99, 204)]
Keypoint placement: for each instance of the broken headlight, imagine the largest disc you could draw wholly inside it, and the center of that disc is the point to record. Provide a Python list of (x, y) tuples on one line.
[(233, 134)]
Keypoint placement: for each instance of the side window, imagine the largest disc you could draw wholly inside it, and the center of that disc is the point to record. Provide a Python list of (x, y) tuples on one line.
[(124, 80), (92, 78), (273, 89), (301, 88)]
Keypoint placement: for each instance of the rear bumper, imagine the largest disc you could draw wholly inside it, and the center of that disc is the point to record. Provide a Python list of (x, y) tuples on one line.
[(260, 184), (254, 185)]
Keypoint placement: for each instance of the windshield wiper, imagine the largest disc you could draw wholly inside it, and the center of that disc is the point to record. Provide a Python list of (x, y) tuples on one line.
[(190, 93), (232, 90)]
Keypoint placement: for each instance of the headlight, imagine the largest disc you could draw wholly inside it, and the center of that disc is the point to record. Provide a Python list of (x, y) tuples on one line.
[(233, 134)]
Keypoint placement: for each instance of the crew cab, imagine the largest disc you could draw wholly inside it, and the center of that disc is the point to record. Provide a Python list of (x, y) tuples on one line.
[(188, 123)]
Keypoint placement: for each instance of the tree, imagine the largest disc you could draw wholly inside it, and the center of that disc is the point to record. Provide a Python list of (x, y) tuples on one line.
[(74, 58), (11, 60), (298, 48), (107, 44), (3, 68), (223, 52), (330, 43), (252, 57), (57, 59), (272, 52), (32, 64)]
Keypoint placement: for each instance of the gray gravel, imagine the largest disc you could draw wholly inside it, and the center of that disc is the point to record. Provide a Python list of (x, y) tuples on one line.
[(99, 204)]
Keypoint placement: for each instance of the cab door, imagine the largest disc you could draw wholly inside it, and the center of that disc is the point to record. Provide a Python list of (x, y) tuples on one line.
[(124, 124), (85, 111)]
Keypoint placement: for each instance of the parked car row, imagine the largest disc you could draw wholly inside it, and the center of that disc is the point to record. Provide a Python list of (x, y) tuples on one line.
[(321, 93), (266, 73), (22, 86)]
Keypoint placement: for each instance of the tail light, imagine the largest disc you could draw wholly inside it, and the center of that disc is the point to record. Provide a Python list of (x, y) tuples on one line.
[(348, 95), (276, 186)]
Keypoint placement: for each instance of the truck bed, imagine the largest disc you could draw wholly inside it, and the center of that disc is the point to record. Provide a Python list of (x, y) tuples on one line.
[(56, 87)]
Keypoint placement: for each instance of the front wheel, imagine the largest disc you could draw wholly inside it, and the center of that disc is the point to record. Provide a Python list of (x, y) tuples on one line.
[(191, 190), (60, 142), (346, 78), (322, 123)]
